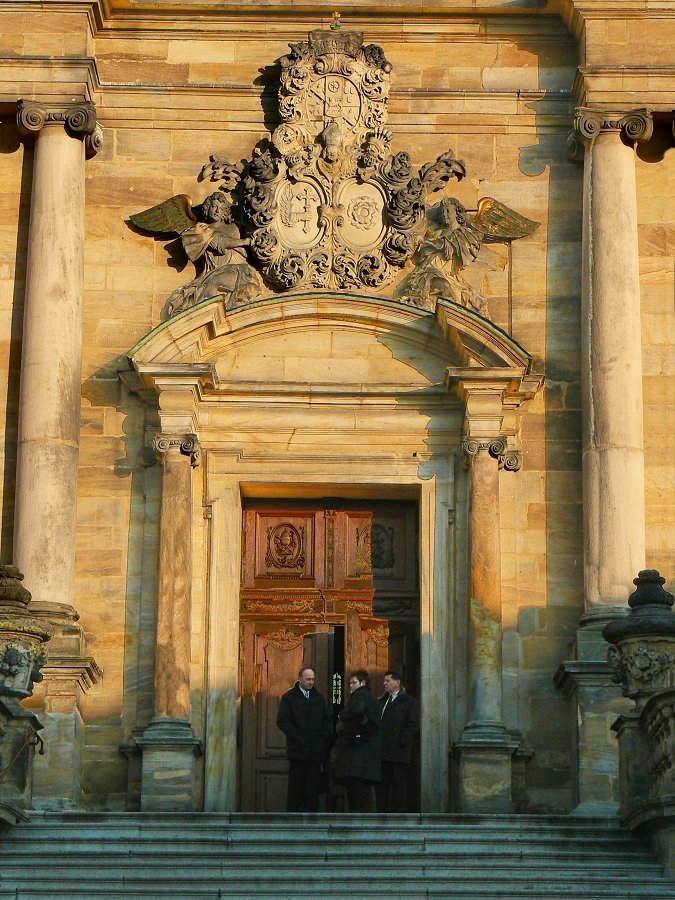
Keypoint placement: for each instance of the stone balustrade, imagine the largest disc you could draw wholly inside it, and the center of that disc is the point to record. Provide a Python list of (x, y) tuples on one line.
[(642, 653)]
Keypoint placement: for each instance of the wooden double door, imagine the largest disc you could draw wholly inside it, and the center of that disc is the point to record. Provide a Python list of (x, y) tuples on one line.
[(307, 596)]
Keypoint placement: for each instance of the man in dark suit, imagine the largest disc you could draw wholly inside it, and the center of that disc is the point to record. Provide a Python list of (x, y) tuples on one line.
[(303, 719), (399, 725)]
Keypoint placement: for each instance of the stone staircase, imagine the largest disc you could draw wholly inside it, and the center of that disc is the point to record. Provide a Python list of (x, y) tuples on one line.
[(154, 855)]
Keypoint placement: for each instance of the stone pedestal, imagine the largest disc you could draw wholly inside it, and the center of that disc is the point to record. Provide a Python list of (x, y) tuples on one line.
[(170, 751), (68, 675), (596, 701), (19, 736), (21, 656), (643, 657), (168, 744)]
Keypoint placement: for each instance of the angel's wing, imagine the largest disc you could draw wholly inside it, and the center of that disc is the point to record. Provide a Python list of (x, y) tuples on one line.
[(500, 223), (171, 216)]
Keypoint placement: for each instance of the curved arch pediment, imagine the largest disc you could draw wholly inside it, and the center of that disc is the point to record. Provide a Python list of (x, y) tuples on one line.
[(453, 335)]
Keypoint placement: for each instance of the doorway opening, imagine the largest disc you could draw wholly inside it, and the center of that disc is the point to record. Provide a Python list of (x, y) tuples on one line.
[(332, 584)]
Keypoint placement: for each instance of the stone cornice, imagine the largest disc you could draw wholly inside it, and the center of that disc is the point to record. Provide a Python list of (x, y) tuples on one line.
[(78, 119)]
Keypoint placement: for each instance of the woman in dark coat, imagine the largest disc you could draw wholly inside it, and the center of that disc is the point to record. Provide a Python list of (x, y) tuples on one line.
[(358, 750)]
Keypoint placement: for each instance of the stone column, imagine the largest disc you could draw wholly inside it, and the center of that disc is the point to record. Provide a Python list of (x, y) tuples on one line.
[(168, 744), (613, 460), (485, 750), (49, 422), (612, 449), (51, 353)]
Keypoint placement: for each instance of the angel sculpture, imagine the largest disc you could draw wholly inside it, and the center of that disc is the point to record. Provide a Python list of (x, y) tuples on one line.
[(452, 240), (214, 244)]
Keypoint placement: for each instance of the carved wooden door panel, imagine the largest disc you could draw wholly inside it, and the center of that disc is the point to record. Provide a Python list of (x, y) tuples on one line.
[(271, 658), (306, 574)]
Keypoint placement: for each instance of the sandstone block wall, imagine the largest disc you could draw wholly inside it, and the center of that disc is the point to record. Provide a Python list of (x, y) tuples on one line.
[(496, 90)]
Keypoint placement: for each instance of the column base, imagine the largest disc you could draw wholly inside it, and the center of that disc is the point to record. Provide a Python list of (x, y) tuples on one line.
[(485, 756), (596, 703), (168, 770)]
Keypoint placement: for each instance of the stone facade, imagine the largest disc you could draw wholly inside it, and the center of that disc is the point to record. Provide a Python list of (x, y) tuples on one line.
[(112, 108)]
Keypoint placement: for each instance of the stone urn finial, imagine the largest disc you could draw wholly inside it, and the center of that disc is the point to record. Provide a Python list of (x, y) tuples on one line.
[(649, 591), (21, 637), (643, 642)]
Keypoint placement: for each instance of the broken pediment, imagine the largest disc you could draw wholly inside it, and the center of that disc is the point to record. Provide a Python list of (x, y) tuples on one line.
[(325, 203)]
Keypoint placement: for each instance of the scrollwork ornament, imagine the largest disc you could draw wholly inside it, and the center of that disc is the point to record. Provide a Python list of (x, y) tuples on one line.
[(636, 125), (80, 119), (496, 447), (185, 444), (30, 117), (575, 147), (511, 460)]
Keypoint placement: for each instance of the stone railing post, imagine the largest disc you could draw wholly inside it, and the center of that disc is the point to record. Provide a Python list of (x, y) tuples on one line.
[(21, 656), (612, 441), (642, 653), (168, 744)]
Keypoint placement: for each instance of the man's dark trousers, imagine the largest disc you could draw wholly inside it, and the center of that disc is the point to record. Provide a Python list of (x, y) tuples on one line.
[(392, 791), (304, 779)]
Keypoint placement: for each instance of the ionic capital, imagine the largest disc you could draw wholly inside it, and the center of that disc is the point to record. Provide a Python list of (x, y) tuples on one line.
[(496, 447), (186, 444), (78, 119), (636, 125)]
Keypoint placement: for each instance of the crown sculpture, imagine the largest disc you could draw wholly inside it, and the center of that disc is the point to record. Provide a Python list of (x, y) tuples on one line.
[(325, 204)]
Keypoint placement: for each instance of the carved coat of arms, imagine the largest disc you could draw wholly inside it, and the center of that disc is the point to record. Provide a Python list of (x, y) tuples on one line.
[(326, 203)]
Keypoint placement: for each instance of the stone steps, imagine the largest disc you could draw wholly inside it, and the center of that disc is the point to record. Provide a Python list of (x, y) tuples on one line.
[(146, 855)]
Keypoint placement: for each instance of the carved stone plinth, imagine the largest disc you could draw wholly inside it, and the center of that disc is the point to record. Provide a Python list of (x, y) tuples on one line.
[(643, 658), (21, 656), (596, 702), (68, 675), (19, 729), (485, 760), (170, 751)]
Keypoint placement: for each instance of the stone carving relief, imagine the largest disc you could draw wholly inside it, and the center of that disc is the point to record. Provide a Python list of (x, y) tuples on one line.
[(285, 546), (382, 546), (638, 667), (285, 639), (327, 203), (362, 558)]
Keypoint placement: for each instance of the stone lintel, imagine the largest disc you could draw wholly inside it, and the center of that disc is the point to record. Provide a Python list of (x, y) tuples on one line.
[(78, 118)]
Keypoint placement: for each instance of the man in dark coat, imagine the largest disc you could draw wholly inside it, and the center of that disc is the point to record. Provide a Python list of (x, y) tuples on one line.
[(357, 749), (303, 719), (400, 722)]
